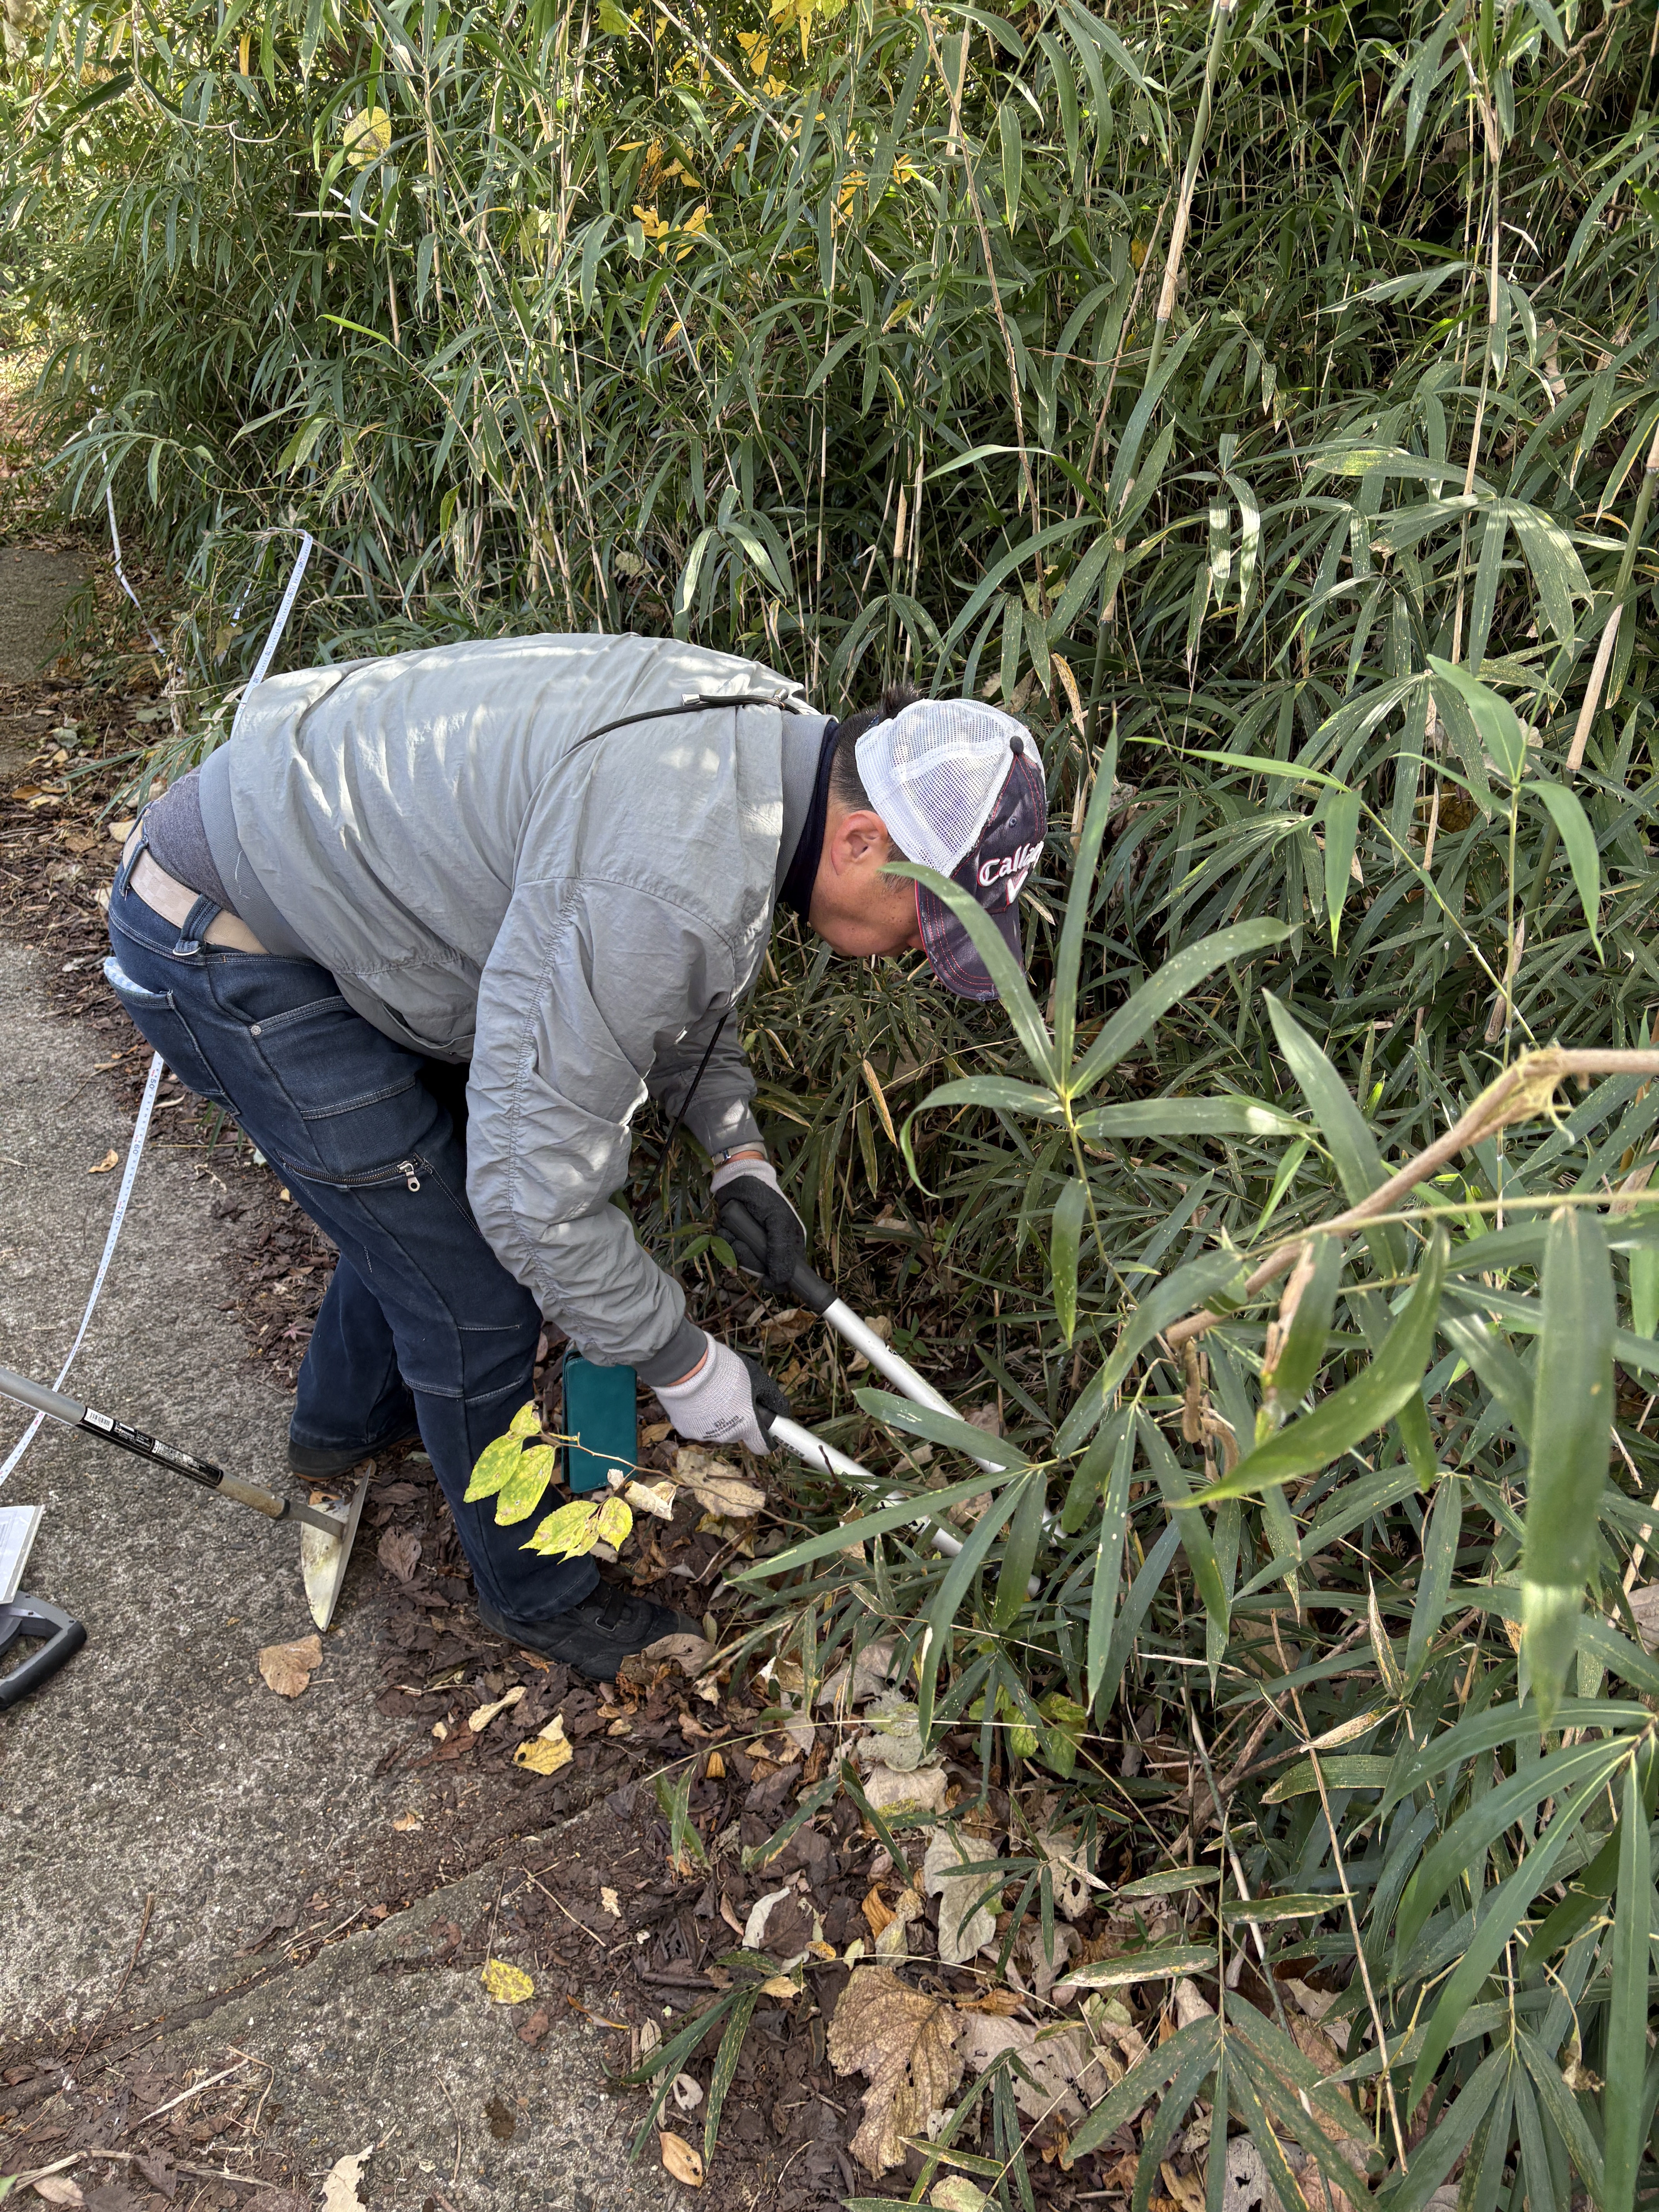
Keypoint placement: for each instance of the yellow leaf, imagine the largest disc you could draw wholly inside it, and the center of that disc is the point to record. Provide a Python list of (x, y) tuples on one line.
[(526, 1423), (522, 1493), (681, 2160), (367, 136), (494, 1465), (616, 1523), (547, 1753), (506, 1984), (480, 1719), (569, 1533)]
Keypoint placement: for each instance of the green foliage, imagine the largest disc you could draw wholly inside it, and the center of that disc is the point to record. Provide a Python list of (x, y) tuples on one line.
[(1264, 401)]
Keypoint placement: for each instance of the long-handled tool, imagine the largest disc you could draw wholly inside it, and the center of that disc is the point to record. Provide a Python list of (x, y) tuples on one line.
[(326, 1539), (823, 1299)]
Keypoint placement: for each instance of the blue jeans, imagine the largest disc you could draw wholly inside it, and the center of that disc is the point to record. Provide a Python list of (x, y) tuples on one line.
[(421, 1324)]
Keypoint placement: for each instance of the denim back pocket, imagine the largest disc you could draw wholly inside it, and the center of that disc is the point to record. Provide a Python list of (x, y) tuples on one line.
[(158, 1019)]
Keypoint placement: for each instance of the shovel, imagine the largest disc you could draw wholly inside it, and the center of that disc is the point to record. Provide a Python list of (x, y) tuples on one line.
[(326, 1539)]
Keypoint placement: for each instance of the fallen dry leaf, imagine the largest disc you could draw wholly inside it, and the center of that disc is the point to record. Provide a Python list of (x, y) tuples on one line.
[(120, 831), (921, 1791), (1058, 2060), (965, 1922), (612, 1903), (405, 1821), (716, 1485), (688, 2092), (506, 1984), (287, 1668), (547, 1753), (480, 1719), (754, 1929), (894, 1941), (656, 1499), (110, 1160), (906, 2043), (399, 1553), (681, 2160), (341, 2192), (957, 2194), (58, 2189), (690, 1654), (894, 1740)]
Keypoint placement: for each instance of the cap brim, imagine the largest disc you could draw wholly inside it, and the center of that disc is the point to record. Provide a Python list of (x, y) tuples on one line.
[(951, 953)]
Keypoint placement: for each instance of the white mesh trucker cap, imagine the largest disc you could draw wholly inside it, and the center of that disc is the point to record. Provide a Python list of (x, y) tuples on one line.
[(959, 785)]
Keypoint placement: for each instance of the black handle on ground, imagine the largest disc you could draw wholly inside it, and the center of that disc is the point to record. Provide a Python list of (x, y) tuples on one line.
[(23, 1391), (808, 1285), (60, 1637)]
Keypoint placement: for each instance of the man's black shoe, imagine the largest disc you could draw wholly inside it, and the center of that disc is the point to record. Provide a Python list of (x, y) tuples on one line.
[(319, 1462), (595, 1637)]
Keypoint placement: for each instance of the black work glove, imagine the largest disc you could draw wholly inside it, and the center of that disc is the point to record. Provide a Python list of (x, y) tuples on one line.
[(754, 1187)]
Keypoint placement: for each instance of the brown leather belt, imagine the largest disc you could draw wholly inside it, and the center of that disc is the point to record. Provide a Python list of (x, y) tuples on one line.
[(172, 900)]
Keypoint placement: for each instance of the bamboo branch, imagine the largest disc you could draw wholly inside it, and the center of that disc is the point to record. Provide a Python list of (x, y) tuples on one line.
[(1520, 1092)]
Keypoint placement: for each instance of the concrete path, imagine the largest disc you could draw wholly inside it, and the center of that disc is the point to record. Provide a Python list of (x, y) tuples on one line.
[(159, 1766), (34, 589)]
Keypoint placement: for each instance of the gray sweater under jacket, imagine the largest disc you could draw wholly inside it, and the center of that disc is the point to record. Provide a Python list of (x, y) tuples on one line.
[(572, 919)]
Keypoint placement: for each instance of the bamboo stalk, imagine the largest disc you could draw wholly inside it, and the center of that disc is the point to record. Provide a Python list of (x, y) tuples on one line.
[(1520, 1092)]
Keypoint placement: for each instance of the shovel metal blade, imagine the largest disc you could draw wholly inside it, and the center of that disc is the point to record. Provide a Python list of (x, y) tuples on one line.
[(323, 1557)]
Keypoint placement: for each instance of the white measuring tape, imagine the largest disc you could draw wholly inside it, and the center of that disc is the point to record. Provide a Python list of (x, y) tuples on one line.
[(128, 1174), (147, 1104)]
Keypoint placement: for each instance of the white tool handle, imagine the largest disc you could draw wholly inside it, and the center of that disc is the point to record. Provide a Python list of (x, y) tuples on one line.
[(827, 1461), (899, 1372)]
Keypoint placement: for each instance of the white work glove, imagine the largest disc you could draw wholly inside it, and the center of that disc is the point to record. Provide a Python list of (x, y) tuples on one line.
[(722, 1402), (754, 1183)]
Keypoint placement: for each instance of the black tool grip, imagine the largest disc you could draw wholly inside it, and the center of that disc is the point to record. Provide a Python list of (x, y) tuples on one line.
[(59, 1635), (808, 1285)]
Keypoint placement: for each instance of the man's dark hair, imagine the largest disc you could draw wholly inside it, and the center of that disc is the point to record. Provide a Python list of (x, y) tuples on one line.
[(846, 784)]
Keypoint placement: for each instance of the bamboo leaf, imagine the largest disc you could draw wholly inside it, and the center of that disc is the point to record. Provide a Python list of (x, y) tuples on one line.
[(1065, 1235), (1624, 2105), (1441, 1536), (1189, 1117), (1586, 1765), (1341, 835), (1573, 1408), (1109, 1558), (1174, 980), (1375, 1395), (1566, 810), (1496, 722)]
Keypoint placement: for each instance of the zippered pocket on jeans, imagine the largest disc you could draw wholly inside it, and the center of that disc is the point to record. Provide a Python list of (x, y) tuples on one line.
[(408, 1171)]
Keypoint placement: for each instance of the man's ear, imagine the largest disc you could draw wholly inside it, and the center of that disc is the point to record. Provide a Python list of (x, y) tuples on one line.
[(860, 838)]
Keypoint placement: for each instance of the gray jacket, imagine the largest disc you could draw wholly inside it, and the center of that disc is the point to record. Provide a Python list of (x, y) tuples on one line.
[(572, 919)]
